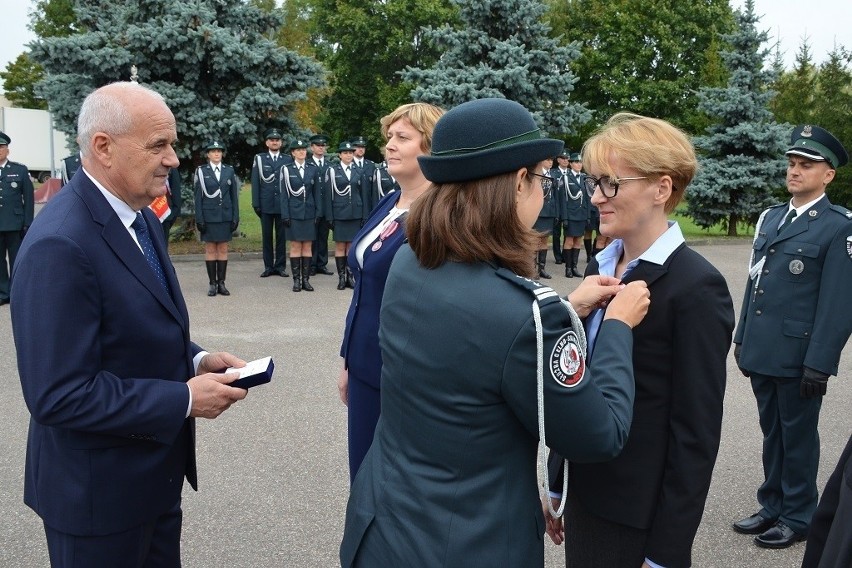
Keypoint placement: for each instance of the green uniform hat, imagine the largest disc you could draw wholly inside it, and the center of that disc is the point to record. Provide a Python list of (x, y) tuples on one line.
[(359, 141), (298, 143), (319, 139), (273, 133), (564, 154), (214, 145), (346, 147), (485, 138), (575, 157), (4, 139), (818, 144)]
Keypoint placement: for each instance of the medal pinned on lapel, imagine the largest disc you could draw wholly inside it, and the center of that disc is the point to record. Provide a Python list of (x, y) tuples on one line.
[(389, 230), (797, 266)]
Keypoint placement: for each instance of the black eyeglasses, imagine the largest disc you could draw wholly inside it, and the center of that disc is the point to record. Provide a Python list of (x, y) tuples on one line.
[(546, 184), (608, 185)]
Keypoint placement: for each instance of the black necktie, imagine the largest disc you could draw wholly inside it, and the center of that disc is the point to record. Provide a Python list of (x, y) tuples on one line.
[(787, 220), (216, 171), (147, 245)]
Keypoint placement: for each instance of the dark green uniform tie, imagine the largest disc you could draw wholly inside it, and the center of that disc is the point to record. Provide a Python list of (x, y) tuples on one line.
[(787, 220)]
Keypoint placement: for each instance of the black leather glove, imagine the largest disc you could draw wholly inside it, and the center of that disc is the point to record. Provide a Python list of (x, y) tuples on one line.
[(287, 223), (737, 349), (234, 225), (202, 227), (813, 384), (256, 211), (329, 224), (24, 231)]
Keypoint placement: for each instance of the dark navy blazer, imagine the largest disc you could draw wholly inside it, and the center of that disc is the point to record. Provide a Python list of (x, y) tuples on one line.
[(360, 348), (103, 356)]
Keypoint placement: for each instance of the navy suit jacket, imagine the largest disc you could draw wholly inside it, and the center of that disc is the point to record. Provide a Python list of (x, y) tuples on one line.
[(103, 357), (360, 348)]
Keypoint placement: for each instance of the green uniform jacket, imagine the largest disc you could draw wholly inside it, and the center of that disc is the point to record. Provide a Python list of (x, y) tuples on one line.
[(16, 197), (450, 479)]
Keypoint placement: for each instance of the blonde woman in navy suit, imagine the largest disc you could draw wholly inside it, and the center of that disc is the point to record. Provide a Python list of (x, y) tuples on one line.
[(217, 214), (408, 132)]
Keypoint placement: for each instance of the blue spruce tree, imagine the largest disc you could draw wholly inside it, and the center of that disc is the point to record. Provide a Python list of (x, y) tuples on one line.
[(502, 49), (212, 60), (742, 155)]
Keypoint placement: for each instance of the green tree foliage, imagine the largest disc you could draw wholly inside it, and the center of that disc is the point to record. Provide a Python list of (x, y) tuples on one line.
[(742, 154), (502, 49), (50, 18), (796, 89), (364, 43), (212, 60), (19, 79), (645, 56)]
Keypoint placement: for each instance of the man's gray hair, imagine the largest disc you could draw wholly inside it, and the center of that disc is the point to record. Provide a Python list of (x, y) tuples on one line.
[(107, 110)]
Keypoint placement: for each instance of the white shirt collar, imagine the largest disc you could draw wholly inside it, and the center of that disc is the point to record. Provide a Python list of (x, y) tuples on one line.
[(800, 210), (125, 213), (658, 253)]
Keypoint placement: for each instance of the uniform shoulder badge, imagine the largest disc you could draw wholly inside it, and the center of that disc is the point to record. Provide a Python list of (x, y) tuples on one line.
[(543, 294), (849, 246), (567, 365), (842, 210)]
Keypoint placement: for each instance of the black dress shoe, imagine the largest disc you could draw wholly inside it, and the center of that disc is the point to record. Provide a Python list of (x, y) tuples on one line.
[(754, 524), (779, 536), (281, 272), (324, 270), (4, 301), (265, 273)]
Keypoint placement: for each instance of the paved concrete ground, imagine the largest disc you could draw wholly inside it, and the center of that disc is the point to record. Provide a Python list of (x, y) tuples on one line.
[(273, 469)]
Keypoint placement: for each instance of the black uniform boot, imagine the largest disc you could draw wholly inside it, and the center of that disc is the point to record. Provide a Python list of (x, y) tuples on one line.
[(350, 279), (306, 274), (542, 260), (221, 269), (575, 258), (296, 267), (587, 244), (340, 262), (211, 275)]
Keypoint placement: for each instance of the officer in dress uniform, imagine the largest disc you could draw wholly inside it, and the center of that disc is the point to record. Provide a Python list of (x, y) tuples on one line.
[(573, 210), (16, 212), (300, 208), (346, 208), (217, 213), (381, 184), (559, 170), (796, 318), (547, 218), (266, 202), (366, 165), (319, 255), (69, 168), (175, 201)]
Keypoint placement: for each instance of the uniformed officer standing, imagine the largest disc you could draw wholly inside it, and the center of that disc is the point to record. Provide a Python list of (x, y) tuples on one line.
[(796, 318), (559, 170), (300, 209), (266, 202), (217, 213), (319, 254), (16, 212), (69, 168), (345, 208), (381, 184), (573, 210), (366, 165), (547, 218)]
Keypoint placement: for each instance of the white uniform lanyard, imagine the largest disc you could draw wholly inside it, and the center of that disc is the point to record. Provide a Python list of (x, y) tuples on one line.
[(577, 327), (286, 179), (265, 179), (755, 268), (574, 196), (208, 195), (345, 191)]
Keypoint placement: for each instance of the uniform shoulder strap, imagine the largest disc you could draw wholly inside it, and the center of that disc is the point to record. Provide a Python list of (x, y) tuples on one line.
[(544, 295)]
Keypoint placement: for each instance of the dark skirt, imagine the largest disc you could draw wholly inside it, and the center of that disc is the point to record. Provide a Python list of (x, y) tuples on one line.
[(574, 228), (300, 230), (345, 231), (217, 232), (544, 225)]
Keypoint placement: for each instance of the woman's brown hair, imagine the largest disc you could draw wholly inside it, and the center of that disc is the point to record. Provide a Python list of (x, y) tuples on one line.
[(474, 221)]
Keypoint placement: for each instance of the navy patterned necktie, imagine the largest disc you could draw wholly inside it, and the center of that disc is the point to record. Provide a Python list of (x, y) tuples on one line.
[(147, 245)]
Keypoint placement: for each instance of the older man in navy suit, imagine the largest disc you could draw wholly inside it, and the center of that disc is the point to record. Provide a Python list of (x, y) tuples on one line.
[(109, 374)]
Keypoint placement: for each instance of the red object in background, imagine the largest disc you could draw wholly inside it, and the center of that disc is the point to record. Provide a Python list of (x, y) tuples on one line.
[(47, 190)]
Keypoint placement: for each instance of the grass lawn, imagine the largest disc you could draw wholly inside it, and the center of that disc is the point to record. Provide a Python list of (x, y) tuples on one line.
[(249, 239)]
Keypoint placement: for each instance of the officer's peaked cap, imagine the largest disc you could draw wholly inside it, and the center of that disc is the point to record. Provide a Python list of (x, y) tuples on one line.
[(818, 144)]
